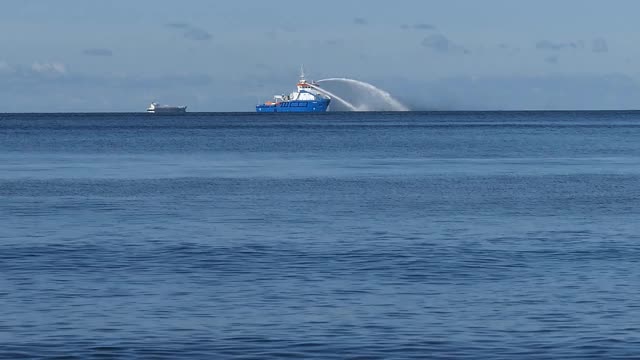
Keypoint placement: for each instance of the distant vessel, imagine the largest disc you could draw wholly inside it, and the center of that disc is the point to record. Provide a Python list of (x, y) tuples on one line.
[(306, 99), (156, 108)]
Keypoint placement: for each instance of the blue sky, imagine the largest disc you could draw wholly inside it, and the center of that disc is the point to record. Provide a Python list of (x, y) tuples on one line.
[(119, 55)]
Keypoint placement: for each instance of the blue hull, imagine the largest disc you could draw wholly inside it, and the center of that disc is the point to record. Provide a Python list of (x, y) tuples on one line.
[(295, 106)]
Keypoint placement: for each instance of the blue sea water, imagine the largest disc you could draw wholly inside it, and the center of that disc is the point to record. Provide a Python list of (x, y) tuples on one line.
[(327, 236)]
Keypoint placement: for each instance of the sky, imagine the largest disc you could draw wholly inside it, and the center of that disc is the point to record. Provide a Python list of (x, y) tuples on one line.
[(120, 55)]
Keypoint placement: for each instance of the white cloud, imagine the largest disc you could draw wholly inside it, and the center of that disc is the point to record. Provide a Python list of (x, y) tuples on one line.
[(5, 67), (191, 32), (442, 44), (49, 68)]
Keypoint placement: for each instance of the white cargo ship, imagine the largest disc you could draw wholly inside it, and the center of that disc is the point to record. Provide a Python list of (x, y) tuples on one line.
[(156, 108)]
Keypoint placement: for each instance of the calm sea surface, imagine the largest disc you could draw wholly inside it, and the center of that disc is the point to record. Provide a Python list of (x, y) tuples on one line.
[(329, 236)]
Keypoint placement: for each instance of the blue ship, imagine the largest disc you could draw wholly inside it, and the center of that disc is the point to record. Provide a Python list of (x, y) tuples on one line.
[(308, 98)]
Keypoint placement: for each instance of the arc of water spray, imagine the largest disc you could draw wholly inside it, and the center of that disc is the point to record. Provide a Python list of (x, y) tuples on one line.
[(333, 96), (395, 104)]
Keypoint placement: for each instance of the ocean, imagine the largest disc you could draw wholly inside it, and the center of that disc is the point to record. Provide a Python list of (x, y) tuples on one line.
[(436, 235)]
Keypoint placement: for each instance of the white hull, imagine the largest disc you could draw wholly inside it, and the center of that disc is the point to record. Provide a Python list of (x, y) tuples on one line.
[(164, 109)]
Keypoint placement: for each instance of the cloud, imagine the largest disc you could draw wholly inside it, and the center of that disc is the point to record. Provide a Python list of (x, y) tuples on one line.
[(508, 48), (360, 21), (5, 67), (48, 68), (37, 91), (197, 34), (37, 70), (424, 26), (441, 44), (54, 73), (558, 46), (552, 59), (551, 91), (98, 52), (190, 32), (599, 45), (178, 25), (334, 42), (420, 26), (160, 81)]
